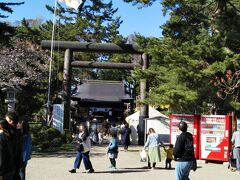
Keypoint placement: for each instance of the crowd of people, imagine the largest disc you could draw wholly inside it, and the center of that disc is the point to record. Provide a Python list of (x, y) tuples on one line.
[(15, 147), (182, 153), (85, 138)]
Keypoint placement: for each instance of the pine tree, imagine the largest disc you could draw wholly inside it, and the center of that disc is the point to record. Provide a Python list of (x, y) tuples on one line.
[(93, 22), (190, 65), (6, 31)]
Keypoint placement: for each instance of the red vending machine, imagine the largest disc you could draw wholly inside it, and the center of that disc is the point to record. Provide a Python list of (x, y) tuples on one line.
[(193, 127), (215, 137)]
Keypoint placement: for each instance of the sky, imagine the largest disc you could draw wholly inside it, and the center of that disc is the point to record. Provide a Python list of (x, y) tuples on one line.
[(146, 21)]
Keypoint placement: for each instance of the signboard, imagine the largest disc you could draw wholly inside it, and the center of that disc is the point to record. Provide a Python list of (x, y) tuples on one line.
[(58, 116), (215, 137)]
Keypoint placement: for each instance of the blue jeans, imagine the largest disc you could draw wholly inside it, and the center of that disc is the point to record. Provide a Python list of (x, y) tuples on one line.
[(183, 170), (22, 172), (86, 161), (236, 154)]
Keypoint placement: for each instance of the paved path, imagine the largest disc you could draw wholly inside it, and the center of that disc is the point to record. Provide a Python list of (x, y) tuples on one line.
[(56, 166)]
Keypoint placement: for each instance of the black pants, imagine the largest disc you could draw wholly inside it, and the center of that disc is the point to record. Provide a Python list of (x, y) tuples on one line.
[(153, 164), (168, 162), (113, 162)]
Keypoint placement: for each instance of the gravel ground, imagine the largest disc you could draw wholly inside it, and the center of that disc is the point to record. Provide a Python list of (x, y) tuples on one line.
[(56, 166)]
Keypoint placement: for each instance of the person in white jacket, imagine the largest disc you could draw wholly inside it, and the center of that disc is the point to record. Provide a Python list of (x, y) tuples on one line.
[(83, 151), (152, 144), (236, 151)]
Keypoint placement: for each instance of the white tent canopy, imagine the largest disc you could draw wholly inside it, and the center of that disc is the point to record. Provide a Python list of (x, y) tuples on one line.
[(152, 113), (156, 120)]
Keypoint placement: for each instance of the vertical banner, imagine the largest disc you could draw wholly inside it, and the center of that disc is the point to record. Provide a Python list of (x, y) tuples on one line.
[(58, 116), (215, 137), (193, 127)]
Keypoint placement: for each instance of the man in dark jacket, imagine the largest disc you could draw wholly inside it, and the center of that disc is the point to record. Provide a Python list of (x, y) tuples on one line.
[(16, 140), (183, 152)]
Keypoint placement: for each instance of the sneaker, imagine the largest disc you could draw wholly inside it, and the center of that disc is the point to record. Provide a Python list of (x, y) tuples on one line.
[(113, 168), (72, 171), (91, 171)]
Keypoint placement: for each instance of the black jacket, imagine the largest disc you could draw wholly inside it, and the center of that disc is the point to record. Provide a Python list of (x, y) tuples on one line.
[(125, 136), (184, 149), (16, 146), (6, 156)]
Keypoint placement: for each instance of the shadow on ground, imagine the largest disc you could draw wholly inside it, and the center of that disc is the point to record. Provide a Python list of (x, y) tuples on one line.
[(62, 154), (121, 171)]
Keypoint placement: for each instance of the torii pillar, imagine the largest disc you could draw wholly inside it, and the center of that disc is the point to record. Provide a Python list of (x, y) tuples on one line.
[(67, 74), (144, 90)]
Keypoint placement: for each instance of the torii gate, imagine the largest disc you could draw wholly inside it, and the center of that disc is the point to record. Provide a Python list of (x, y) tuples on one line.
[(70, 46)]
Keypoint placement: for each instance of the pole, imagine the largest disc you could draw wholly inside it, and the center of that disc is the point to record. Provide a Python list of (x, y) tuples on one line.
[(144, 89), (50, 65), (67, 73)]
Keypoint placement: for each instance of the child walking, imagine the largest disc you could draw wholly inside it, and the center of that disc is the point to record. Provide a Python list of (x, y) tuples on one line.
[(113, 150), (169, 157)]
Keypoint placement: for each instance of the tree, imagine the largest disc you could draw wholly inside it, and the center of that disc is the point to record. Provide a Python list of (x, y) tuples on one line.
[(24, 65), (6, 30), (94, 22), (185, 62), (29, 30)]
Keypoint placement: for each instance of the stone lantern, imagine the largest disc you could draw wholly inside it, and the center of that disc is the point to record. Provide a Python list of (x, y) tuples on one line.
[(11, 97)]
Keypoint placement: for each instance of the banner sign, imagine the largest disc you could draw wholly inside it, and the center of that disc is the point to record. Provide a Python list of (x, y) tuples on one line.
[(58, 116)]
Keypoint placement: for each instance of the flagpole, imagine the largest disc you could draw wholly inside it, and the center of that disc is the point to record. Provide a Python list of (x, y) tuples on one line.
[(50, 64)]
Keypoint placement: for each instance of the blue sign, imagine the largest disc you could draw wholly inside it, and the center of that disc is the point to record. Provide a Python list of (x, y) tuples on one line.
[(58, 116)]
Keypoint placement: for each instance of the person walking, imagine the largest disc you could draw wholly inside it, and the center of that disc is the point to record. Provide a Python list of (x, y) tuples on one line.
[(113, 129), (125, 136), (236, 148), (169, 158), (83, 151), (183, 153), (113, 150), (6, 155), (26, 148), (152, 145), (16, 140), (94, 131)]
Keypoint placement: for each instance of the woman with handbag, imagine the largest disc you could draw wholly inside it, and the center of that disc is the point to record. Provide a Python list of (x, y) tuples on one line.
[(83, 150), (153, 148)]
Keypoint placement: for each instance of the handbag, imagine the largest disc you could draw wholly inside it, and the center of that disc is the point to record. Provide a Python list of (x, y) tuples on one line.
[(194, 165), (143, 155), (80, 147)]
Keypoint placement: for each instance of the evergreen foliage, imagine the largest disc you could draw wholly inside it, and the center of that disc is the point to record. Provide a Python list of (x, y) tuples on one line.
[(189, 65), (194, 64), (6, 31)]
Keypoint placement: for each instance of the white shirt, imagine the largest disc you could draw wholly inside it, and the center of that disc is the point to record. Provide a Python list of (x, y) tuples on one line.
[(236, 138)]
